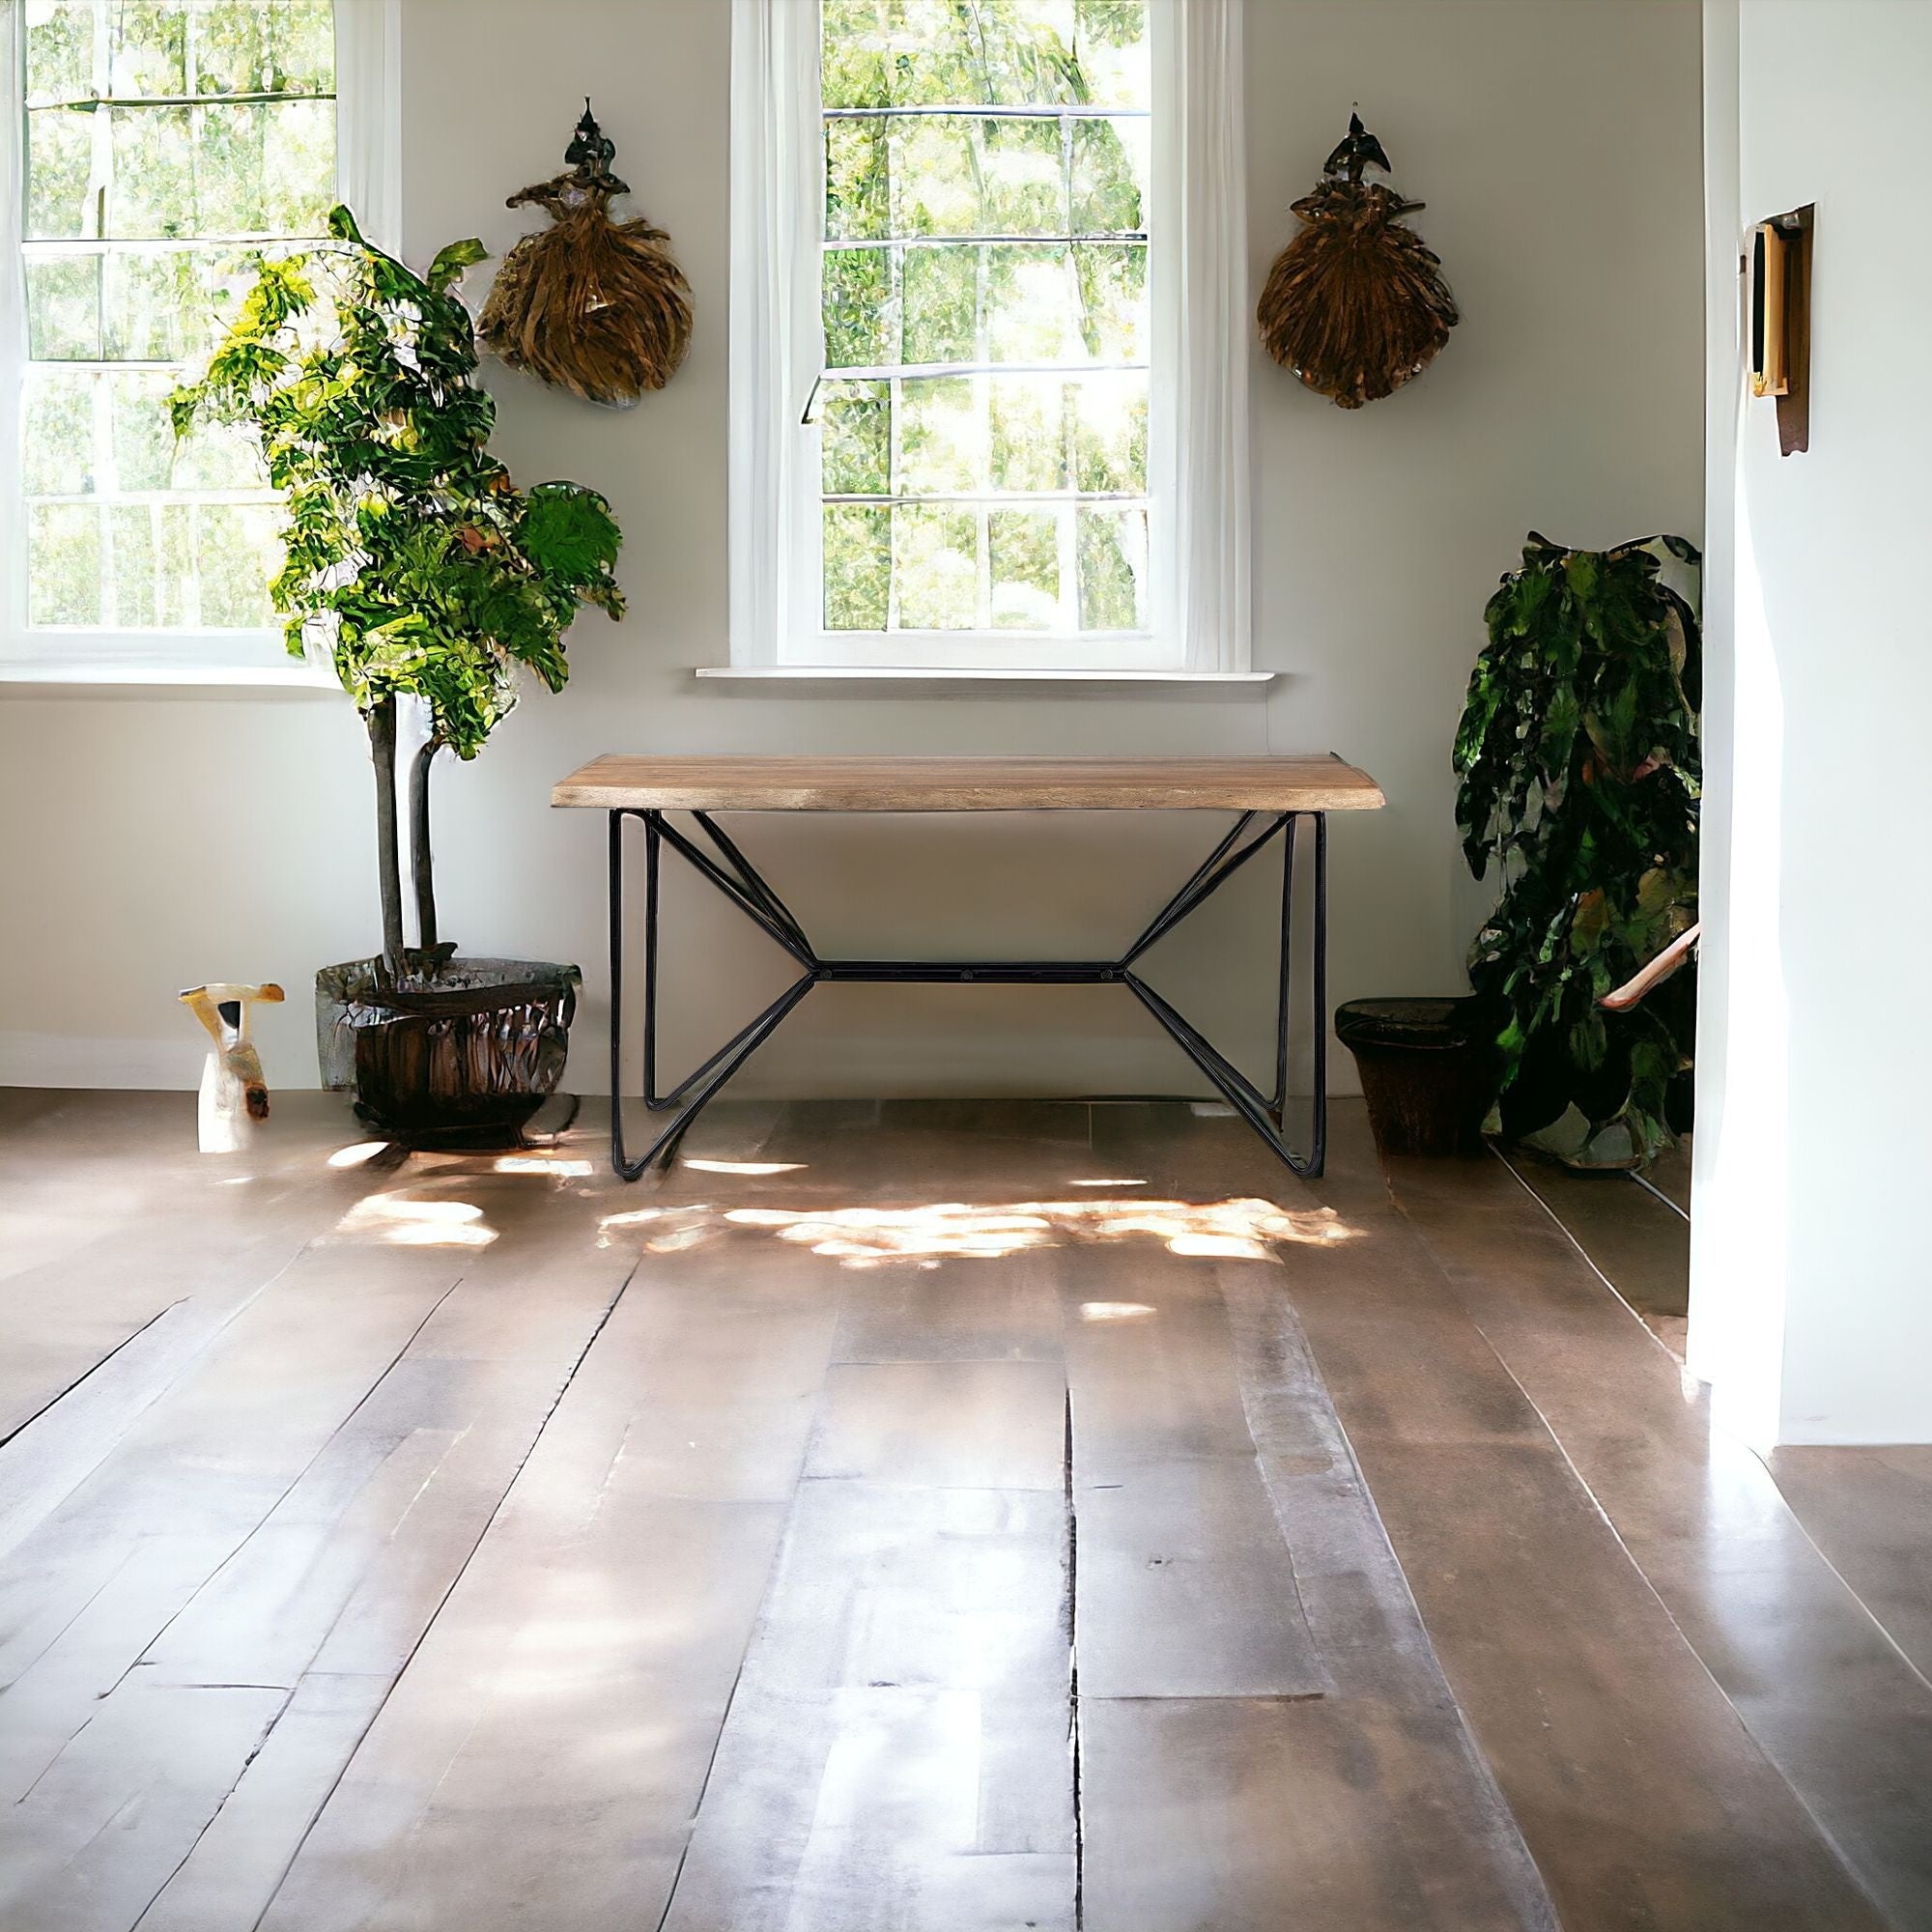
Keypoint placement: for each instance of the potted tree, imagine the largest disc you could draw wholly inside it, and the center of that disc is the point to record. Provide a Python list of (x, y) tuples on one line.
[(421, 574), (1578, 777)]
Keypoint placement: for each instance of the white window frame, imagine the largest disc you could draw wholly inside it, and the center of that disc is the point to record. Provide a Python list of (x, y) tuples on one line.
[(368, 178), (1198, 483)]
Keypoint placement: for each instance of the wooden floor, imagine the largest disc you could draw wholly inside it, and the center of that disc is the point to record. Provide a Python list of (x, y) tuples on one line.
[(904, 1518)]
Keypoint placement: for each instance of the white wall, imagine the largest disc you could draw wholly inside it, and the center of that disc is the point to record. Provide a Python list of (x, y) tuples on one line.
[(1811, 1305), (158, 841)]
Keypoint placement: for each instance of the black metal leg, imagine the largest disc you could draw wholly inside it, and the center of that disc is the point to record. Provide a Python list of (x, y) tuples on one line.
[(699, 1088), (653, 859), (740, 882), (617, 918), (753, 881), (1278, 1099), (739, 895), (1318, 1137), (1266, 1113), (1162, 920), (1203, 885)]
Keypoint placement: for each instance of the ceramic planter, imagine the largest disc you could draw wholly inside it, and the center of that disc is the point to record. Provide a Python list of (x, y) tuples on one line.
[(462, 1059)]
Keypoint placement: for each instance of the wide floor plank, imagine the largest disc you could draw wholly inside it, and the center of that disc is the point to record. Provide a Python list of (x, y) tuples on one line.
[(1868, 1511)]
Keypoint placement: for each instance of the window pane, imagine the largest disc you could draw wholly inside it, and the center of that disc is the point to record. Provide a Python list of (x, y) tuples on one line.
[(179, 592), (148, 51), (215, 457), (302, 44), (152, 192), (941, 298), (60, 52), (862, 324), (133, 575), (1112, 547), (855, 69), (1111, 46), (231, 163), (857, 438), (172, 307), (299, 169), (936, 567), (1110, 433), (140, 436), (935, 177), (1110, 174), (64, 308), (942, 435), (66, 584), (264, 47), (1028, 435), (858, 567), (1028, 306), (1024, 547), (60, 166), (1028, 52), (857, 181), (1111, 280), (1024, 171), (1016, 53), (231, 49), (237, 553), (57, 432)]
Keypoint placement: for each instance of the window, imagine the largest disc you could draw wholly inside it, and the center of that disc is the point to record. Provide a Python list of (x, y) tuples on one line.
[(989, 335), (162, 147)]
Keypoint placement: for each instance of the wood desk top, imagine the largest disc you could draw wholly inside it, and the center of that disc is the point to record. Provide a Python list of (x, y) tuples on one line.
[(617, 781)]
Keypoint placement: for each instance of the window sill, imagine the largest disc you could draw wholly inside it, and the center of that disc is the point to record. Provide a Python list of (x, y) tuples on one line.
[(988, 680)]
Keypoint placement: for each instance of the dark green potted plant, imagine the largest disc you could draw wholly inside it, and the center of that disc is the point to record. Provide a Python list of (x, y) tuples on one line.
[(420, 572), (1578, 778)]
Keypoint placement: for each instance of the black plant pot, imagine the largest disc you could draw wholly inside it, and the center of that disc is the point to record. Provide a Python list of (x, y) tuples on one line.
[(461, 1059), (1428, 1071)]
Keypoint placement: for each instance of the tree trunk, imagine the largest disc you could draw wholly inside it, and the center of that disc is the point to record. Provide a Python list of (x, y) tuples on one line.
[(389, 858), (421, 864)]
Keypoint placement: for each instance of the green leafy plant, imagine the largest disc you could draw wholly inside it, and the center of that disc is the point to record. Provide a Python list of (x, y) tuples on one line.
[(1578, 773), (412, 562)]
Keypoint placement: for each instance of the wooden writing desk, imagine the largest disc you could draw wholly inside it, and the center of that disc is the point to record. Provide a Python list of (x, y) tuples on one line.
[(1267, 796)]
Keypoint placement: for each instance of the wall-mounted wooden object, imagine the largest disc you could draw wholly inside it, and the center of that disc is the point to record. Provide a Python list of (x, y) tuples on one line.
[(1779, 265)]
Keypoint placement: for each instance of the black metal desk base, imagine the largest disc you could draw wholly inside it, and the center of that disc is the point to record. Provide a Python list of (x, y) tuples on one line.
[(727, 868)]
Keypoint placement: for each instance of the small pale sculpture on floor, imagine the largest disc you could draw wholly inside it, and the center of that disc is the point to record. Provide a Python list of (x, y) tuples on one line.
[(234, 1095)]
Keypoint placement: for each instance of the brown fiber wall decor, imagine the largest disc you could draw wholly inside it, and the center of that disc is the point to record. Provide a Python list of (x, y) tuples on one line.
[(1355, 306), (591, 306)]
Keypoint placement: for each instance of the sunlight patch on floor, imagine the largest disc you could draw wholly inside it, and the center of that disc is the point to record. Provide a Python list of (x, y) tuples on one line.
[(1234, 1229), (562, 1167), (402, 1222), (751, 1167), (358, 1155)]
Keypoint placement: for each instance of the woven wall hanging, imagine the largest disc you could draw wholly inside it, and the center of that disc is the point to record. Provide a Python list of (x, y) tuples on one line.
[(591, 306), (1355, 306)]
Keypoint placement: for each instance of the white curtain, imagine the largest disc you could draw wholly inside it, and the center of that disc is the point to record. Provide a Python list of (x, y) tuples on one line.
[(369, 117), (1200, 281), (777, 339), (12, 351)]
